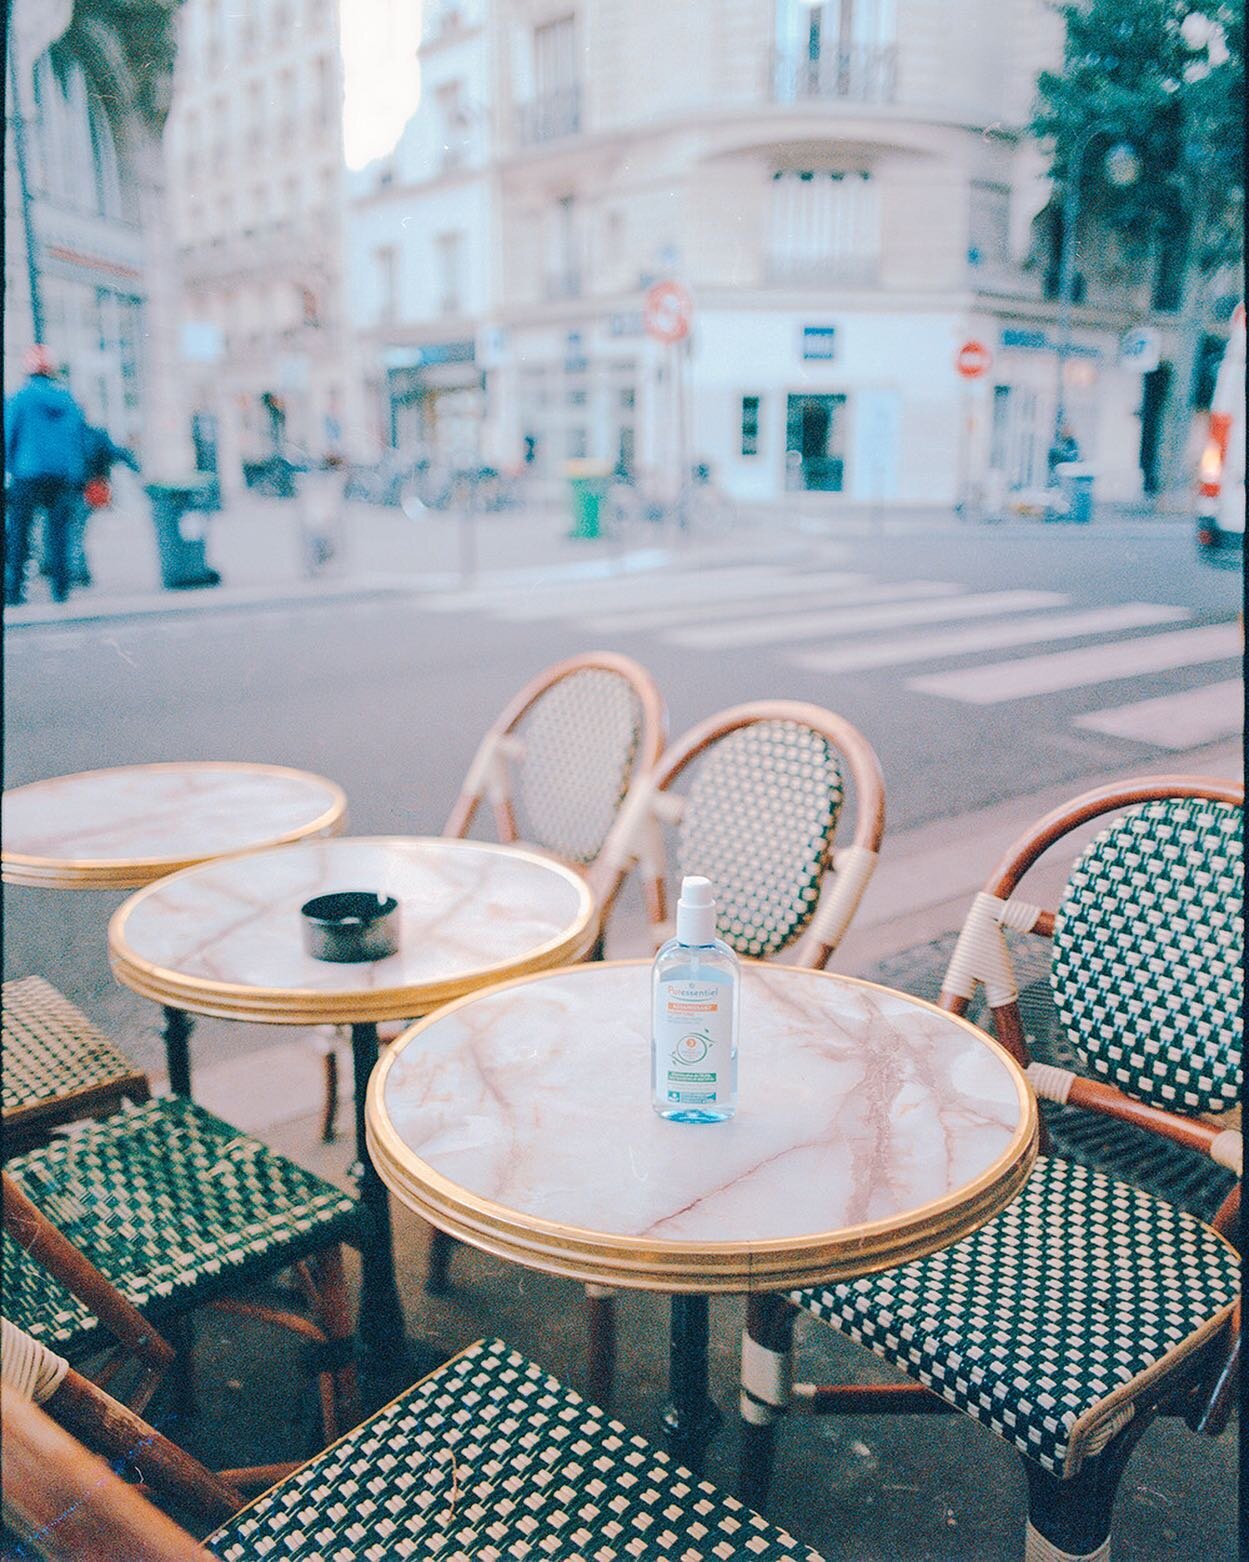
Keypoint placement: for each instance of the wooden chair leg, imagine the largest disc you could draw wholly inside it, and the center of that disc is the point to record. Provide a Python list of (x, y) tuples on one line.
[(767, 1372), (1069, 1521), (601, 1302), (441, 1247), (333, 1309), (328, 1133)]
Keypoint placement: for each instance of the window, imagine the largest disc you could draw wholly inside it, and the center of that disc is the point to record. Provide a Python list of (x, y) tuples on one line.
[(387, 262), (563, 277), (554, 106), (988, 236), (287, 91), (255, 114), (823, 227), (449, 264), (327, 92), (836, 49), (453, 123), (750, 425)]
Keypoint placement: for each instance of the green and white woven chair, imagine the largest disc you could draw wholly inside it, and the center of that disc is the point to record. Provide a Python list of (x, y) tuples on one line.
[(57, 1066), (123, 1227), (1088, 1307), (751, 798), (489, 1457)]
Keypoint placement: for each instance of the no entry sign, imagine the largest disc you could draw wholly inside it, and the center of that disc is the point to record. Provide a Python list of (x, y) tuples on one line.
[(667, 312), (974, 359)]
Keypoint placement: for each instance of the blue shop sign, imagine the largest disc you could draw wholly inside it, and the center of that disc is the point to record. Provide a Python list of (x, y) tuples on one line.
[(817, 342), (1039, 342)]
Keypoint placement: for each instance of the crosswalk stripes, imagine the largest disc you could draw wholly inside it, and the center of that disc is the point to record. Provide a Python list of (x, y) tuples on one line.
[(926, 647), (849, 620), (1032, 675), (1174, 721), (837, 622)]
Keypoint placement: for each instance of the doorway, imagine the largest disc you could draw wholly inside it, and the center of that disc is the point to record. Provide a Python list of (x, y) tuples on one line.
[(1154, 391), (815, 443)]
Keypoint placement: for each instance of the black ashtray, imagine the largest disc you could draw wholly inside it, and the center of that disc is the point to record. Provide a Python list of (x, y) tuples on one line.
[(351, 925)]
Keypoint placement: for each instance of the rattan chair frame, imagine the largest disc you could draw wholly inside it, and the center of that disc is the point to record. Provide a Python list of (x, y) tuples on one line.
[(1071, 1515), (489, 778), (638, 847)]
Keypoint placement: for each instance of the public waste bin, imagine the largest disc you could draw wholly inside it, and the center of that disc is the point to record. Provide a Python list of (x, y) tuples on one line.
[(587, 484), (1075, 485), (179, 514)]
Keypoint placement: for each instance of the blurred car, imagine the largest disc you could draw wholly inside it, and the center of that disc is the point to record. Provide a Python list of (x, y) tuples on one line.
[(1221, 472)]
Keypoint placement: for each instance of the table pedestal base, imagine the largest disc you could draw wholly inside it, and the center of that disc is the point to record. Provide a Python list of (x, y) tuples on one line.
[(690, 1417), (380, 1325), (178, 1028)]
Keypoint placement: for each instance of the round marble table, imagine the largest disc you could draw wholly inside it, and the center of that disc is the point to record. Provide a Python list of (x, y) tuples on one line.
[(122, 828), (873, 1128), (226, 938)]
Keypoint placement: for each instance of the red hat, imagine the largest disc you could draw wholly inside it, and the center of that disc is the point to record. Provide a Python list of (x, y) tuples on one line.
[(39, 360)]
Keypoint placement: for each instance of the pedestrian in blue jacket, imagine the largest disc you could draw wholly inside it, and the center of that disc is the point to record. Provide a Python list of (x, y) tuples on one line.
[(45, 463)]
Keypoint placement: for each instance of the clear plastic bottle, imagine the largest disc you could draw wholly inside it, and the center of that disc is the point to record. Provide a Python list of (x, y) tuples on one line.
[(694, 1001)]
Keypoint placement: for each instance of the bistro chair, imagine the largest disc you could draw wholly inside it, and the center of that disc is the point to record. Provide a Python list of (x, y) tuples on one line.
[(57, 1066), (489, 1456), (1089, 1306), (556, 768), (126, 1226), (762, 787)]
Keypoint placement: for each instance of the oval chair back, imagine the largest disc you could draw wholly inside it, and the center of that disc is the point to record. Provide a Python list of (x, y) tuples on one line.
[(1146, 973), (752, 798), (560, 761)]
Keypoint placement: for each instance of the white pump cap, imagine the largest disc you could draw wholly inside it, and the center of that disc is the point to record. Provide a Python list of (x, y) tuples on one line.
[(696, 911)]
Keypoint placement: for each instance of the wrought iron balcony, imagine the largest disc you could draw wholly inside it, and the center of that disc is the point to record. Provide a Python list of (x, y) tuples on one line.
[(550, 117), (864, 73)]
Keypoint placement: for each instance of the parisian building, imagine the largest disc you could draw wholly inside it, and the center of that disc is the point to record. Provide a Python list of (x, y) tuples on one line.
[(254, 156), (88, 264), (844, 189)]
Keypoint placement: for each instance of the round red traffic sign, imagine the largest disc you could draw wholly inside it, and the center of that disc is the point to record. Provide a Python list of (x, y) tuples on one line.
[(667, 312), (973, 360)]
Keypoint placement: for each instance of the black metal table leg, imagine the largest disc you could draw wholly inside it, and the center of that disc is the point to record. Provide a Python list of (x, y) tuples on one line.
[(178, 1028), (690, 1417)]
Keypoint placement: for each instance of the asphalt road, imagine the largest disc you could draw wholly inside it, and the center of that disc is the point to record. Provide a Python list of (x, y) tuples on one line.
[(388, 694)]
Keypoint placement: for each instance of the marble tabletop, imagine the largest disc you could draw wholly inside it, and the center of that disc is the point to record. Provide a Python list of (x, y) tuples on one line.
[(225, 938), (123, 828), (872, 1128)]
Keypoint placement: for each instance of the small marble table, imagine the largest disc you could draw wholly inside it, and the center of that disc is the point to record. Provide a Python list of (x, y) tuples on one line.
[(873, 1128), (226, 939), (128, 826)]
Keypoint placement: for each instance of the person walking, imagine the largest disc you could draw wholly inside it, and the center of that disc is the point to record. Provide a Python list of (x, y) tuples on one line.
[(45, 464), (100, 456)]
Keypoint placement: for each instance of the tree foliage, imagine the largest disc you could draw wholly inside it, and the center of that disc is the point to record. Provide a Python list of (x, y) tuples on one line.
[(1165, 77)]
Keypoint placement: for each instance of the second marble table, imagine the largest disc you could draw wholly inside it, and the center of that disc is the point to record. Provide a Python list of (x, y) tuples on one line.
[(873, 1128), (128, 826), (225, 939)]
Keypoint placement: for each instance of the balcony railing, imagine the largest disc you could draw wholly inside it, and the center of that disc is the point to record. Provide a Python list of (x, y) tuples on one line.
[(822, 270), (864, 73), (550, 117)]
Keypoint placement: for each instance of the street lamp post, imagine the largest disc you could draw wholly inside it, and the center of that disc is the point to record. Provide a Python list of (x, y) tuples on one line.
[(1122, 168)]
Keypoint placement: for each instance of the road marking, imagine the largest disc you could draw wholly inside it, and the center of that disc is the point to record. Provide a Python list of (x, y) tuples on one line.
[(989, 637), (830, 624), (673, 590), (659, 584), (850, 591), (1092, 664), (1174, 721)]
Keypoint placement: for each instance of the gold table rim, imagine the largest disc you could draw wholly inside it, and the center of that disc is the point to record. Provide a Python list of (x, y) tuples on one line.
[(39, 872), (613, 1258), (311, 1006)]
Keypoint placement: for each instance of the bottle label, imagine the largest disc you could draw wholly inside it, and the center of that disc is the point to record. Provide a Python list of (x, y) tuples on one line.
[(693, 1040)]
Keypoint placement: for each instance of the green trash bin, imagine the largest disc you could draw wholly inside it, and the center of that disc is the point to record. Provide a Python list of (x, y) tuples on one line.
[(181, 541), (587, 486)]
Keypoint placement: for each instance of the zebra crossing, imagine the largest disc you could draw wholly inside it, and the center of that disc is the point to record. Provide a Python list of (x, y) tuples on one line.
[(938, 639)]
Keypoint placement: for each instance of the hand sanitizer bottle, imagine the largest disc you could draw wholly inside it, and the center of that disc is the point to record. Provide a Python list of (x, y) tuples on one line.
[(694, 992)]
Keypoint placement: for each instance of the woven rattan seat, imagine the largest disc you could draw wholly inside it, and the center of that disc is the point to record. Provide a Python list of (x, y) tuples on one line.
[(173, 1206), (1083, 1289), (490, 1457), (57, 1066)]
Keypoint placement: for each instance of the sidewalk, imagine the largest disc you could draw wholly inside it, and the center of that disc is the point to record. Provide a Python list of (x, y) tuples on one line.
[(258, 545)]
